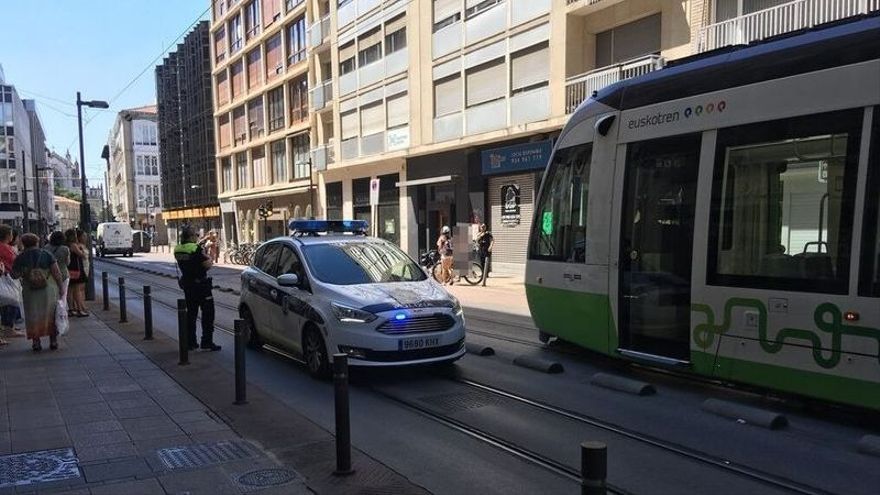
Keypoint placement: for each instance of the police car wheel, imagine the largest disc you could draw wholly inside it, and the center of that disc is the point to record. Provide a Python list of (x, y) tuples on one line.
[(315, 353)]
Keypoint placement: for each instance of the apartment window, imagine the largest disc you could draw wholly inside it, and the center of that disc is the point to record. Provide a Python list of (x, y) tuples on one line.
[(530, 68), (271, 12), (296, 41), (276, 109), (224, 128), (253, 61), (300, 145), (342, 3), (484, 82), (729, 9), (398, 111), (395, 37), (628, 41), (258, 156), (290, 4), (139, 165), (349, 124), (226, 170), (239, 129), (252, 19), (220, 45), (274, 63), (256, 117), (447, 95), (346, 58), (219, 8), (279, 162), (241, 168), (299, 100), (141, 194), (372, 119), (154, 165), (237, 70), (446, 13), (479, 8), (370, 46), (222, 88), (781, 215), (235, 34)]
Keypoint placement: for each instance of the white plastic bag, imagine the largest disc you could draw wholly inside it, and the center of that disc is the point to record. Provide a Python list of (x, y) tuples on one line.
[(62, 323), (10, 291)]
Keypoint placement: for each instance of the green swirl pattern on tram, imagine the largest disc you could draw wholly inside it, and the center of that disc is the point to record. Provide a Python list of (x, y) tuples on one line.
[(704, 333)]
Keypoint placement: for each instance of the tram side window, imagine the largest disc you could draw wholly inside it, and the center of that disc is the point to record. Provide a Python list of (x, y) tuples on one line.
[(561, 217), (869, 285), (783, 204)]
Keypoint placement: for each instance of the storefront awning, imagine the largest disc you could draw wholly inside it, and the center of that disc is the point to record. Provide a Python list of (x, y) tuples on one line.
[(429, 180)]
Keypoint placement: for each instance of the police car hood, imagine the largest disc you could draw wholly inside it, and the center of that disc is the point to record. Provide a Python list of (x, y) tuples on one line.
[(380, 297)]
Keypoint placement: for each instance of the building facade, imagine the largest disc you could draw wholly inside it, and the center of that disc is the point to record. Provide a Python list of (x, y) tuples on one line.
[(95, 197), (65, 171), (66, 213), (36, 181), (186, 135), (448, 107), (135, 171)]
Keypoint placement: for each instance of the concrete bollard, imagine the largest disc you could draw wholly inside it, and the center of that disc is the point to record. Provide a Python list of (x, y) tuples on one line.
[(105, 290), (123, 313), (343, 423), (182, 333), (148, 313), (594, 468), (241, 331)]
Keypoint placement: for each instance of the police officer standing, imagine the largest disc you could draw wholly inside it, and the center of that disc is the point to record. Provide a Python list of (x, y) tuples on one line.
[(197, 286), (485, 243)]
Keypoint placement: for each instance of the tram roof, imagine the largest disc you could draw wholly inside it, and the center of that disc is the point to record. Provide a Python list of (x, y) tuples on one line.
[(794, 53)]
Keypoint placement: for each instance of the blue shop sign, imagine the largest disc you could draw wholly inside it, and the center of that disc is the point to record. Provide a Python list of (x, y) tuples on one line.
[(516, 158)]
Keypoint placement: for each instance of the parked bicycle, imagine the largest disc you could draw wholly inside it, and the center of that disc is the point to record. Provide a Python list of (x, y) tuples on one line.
[(241, 254)]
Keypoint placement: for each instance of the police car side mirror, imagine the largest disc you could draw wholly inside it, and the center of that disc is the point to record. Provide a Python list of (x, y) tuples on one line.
[(288, 280)]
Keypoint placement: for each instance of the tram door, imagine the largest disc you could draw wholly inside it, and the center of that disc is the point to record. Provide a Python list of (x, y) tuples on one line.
[(656, 244)]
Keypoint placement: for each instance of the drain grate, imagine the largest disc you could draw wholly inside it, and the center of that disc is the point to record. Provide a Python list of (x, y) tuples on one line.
[(267, 477), (38, 467), (462, 401), (192, 456)]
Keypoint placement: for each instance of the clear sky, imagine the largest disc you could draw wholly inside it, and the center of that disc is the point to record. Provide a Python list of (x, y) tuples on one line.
[(53, 48)]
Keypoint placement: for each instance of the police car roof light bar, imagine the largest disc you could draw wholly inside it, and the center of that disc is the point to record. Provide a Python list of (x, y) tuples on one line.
[(313, 227)]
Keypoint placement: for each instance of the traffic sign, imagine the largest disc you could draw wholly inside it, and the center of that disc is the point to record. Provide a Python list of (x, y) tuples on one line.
[(374, 192)]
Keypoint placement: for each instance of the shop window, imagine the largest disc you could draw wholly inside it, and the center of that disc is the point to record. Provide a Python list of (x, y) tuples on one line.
[(561, 215), (333, 191), (782, 204), (360, 190)]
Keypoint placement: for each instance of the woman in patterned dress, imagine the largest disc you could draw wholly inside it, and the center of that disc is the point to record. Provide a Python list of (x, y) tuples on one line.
[(40, 282)]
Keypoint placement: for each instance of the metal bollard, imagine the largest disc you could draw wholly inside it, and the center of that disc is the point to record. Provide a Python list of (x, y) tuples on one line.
[(594, 468), (343, 423), (241, 328), (105, 287), (148, 313), (123, 313), (182, 333)]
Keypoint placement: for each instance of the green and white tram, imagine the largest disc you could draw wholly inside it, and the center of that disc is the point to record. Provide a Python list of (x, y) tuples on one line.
[(721, 216)]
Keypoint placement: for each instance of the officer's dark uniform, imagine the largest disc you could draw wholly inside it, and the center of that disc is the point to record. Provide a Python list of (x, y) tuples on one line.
[(197, 287)]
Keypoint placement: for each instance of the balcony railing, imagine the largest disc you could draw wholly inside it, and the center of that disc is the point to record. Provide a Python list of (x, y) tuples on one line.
[(320, 96), (319, 32), (781, 19), (581, 87), (322, 156)]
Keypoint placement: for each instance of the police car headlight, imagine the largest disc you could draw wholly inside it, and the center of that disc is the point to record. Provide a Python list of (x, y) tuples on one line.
[(346, 314), (456, 306)]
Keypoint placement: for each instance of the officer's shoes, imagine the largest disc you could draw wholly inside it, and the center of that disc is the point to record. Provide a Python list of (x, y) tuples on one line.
[(210, 347)]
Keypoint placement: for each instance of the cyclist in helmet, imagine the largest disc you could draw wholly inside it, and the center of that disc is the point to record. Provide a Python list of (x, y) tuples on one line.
[(444, 247)]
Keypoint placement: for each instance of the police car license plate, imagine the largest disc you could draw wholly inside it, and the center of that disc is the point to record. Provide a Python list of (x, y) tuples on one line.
[(417, 343)]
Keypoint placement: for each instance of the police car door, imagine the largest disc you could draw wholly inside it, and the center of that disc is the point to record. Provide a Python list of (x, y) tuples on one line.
[(264, 290), (295, 305)]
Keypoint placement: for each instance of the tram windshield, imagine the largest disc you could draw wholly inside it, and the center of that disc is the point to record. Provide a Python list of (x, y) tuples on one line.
[(561, 220), (784, 211)]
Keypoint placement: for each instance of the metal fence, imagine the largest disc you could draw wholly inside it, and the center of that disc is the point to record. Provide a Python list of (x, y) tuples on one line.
[(581, 87)]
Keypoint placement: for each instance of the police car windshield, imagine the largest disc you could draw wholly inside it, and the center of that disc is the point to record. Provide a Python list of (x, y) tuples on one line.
[(350, 263)]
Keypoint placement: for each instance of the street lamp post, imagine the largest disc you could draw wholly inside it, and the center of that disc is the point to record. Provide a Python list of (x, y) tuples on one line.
[(85, 223)]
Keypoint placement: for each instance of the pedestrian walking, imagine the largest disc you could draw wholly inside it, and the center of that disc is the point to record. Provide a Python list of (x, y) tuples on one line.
[(9, 313), (444, 247), (485, 243), (40, 282), (197, 288), (76, 293)]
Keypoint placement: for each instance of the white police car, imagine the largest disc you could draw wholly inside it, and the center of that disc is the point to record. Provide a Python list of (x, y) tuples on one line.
[(330, 289)]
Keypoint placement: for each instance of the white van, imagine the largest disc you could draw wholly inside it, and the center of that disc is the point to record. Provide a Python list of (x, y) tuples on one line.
[(114, 238)]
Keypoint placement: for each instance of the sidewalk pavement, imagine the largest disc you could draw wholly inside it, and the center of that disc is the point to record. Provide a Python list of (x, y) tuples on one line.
[(98, 417), (503, 293)]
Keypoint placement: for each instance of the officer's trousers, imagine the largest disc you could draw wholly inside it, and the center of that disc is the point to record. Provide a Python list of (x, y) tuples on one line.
[(199, 296)]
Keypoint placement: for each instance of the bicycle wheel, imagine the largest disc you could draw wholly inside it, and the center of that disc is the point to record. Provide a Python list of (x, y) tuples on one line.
[(436, 270), (474, 273)]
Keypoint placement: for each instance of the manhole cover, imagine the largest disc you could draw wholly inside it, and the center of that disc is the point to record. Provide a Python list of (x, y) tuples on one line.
[(38, 467), (267, 477), (456, 402), (192, 456)]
